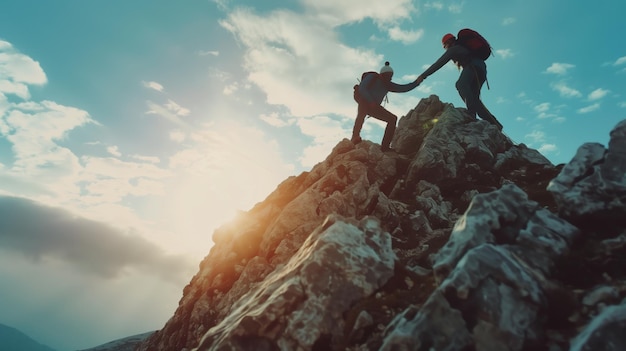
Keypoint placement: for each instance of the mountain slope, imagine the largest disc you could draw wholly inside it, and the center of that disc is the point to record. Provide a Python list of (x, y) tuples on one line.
[(12, 339), (125, 344), (461, 240)]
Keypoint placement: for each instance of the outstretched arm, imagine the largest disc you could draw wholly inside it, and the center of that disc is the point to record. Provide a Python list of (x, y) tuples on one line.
[(402, 88), (447, 56)]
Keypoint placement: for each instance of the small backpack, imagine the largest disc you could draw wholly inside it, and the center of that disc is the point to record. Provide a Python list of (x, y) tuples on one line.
[(357, 95), (475, 43)]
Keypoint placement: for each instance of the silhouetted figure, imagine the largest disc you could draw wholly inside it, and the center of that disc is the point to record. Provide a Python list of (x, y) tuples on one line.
[(369, 94), (472, 78)]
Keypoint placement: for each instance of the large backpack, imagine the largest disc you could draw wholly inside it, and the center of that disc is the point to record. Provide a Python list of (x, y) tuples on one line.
[(475, 43), (357, 95)]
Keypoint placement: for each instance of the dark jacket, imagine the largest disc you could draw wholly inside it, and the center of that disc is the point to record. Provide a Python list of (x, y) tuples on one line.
[(373, 90), (457, 53)]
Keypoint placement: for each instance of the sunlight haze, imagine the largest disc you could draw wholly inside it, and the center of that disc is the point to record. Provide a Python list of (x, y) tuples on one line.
[(130, 130)]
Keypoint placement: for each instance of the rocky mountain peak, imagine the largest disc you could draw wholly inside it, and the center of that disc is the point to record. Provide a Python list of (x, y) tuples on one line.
[(459, 240)]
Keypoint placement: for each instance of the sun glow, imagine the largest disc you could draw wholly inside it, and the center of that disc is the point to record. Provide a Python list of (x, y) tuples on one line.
[(230, 169)]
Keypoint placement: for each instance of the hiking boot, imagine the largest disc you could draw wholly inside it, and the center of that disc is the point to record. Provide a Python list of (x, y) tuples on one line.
[(492, 119)]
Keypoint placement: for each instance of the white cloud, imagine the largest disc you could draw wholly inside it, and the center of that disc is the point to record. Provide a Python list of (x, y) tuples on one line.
[(546, 111), (536, 136), (222, 4), (230, 89), (456, 8), (622, 104), (34, 130), (167, 111), (283, 48), (566, 91), (438, 6), (508, 21), (178, 136), (408, 77), (589, 108), (176, 108), (152, 85), (336, 13), (114, 150), (426, 89), (434, 5), (322, 128), (52, 174), (45, 168), (149, 159), (274, 120), (313, 153), (325, 132), (559, 68), (598, 94), (543, 107), (545, 115), (620, 61), (222, 76), (110, 180), (20, 90), (505, 53), (547, 148), (406, 37), (17, 71), (209, 53)]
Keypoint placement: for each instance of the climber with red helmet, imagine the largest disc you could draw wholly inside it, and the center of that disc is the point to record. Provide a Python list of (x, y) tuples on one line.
[(369, 95), (471, 80)]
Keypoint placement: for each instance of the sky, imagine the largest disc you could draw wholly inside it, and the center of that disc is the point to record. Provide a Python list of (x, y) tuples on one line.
[(130, 130)]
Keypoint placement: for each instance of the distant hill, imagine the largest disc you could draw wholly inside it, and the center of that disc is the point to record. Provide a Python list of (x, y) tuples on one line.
[(12, 339), (125, 344)]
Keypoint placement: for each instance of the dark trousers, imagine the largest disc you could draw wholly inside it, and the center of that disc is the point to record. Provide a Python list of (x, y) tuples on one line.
[(379, 113), (469, 84)]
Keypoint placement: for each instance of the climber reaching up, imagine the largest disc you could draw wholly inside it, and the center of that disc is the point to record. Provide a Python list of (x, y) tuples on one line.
[(369, 95)]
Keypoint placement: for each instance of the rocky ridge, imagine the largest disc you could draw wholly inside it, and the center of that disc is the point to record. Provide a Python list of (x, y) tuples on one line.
[(460, 240)]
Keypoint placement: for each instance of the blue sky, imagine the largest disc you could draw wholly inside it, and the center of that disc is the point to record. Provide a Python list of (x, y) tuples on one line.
[(129, 130)]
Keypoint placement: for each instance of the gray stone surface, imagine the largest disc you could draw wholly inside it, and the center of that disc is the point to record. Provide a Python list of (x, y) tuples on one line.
[(459, 240)]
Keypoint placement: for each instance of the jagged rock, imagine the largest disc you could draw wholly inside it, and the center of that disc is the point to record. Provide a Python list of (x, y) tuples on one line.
[(417, 124), (592, 187), (431, 326), (606, 332), (505, 216), (600, 294), (519, 156), (452, 144), (452, 243), (486, 279), (303, 301)]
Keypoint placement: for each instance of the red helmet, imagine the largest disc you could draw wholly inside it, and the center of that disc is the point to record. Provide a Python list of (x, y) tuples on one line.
[(446, 38)]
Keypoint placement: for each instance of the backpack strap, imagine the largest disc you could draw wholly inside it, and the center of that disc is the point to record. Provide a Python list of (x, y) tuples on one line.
[(375, 74)]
